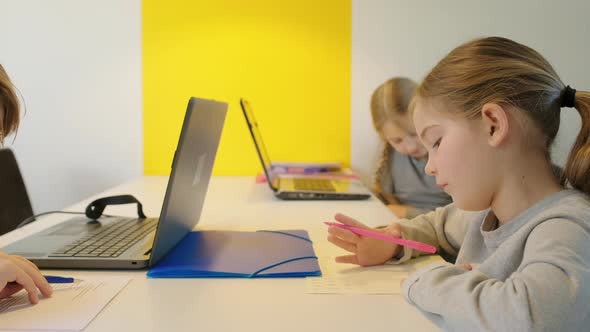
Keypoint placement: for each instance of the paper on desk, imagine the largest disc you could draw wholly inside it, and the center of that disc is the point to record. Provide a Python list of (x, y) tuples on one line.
[(338, 278), (70, 308)]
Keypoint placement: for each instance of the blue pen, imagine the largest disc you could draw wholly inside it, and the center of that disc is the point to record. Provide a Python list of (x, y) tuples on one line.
[(60, 280)]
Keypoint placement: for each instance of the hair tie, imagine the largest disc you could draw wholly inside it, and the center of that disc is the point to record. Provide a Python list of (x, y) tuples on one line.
[(568, 98)]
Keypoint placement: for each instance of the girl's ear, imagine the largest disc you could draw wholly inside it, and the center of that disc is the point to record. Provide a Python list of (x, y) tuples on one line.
[(495, 120)]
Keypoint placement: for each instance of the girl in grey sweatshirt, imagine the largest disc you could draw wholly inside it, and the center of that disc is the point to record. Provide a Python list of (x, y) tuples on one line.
[(488, 113)]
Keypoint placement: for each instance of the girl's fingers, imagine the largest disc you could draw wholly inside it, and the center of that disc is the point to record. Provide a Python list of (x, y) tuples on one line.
[(22, 278), (350, 247), (21, 258), (344, 219), (349, 259), (33, 272), (343, 234)]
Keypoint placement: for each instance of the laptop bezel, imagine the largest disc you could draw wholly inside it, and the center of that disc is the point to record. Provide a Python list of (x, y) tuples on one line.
[(260, 148)]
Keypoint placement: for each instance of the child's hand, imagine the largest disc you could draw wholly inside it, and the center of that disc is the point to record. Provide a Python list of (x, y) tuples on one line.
[(366, 251), (17, 273), (399, 210)]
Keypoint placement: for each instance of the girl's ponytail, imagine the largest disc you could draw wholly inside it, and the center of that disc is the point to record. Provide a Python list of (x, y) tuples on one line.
[(577, 167)]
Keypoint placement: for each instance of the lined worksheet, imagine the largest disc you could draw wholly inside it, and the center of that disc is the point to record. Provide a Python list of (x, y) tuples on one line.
[(340, 278), (70, 308)]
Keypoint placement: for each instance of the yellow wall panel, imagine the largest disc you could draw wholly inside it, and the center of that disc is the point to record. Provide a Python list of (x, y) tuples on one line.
[(291, 59)]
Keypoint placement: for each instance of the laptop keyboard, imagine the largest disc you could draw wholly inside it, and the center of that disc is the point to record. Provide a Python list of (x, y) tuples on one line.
[(109, 241), (313, 184)]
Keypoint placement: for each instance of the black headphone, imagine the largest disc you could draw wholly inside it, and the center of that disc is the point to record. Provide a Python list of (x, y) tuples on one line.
[(94, 210)]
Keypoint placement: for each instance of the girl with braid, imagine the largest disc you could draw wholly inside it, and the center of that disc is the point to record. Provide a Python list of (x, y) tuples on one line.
[(400, 180)]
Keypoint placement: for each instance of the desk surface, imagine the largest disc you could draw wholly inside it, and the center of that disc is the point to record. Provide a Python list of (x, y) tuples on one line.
[(244, 304)]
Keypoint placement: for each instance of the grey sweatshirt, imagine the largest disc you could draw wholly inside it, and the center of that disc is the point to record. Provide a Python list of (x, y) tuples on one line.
[(531, 274)]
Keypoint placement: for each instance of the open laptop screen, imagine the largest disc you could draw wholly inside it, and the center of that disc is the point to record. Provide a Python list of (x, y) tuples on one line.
[(260, 148)]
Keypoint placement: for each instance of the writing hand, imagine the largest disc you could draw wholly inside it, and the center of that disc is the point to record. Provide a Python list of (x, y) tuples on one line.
[(365, 251), (17, 273)]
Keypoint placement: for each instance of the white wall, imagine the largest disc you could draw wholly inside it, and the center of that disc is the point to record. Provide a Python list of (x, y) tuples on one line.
[(77, 64), (393, 38)]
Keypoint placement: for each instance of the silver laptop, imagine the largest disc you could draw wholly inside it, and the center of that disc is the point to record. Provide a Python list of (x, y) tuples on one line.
[(301, 187), (132, 243)]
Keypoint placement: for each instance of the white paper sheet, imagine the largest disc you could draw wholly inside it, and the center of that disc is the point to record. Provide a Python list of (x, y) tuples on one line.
[(338, 278), (70, 308)]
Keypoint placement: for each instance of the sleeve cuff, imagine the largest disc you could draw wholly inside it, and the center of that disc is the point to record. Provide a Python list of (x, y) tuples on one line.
[(415, 278)]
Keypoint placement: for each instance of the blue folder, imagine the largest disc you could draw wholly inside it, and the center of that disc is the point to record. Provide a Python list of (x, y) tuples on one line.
[(231, 254)]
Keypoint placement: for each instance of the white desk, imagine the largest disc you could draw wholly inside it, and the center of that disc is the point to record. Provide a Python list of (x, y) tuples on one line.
[(244, 304)]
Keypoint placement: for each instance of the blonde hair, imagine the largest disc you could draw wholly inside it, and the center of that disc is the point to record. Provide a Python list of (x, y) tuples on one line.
[(390, 102), (502, 71), (9, 107)]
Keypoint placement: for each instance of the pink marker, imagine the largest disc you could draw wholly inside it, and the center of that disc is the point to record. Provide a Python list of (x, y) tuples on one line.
[(388, 238)]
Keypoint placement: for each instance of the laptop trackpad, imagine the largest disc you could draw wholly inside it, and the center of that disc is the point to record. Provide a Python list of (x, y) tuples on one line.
[(75, 227)]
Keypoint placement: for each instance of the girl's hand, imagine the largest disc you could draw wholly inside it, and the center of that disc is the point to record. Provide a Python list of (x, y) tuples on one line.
[(365, 251), (17, 273)]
